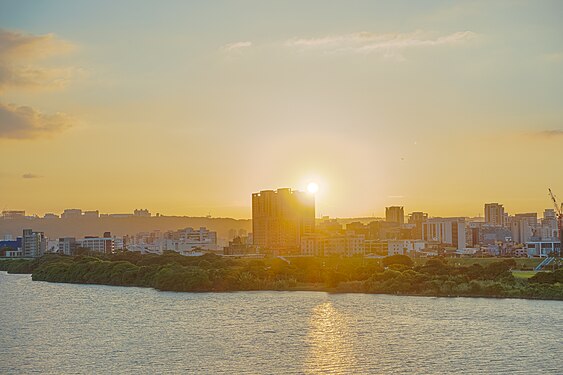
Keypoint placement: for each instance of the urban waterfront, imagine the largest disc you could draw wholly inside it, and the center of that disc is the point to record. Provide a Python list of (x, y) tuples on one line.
[(69, 328)]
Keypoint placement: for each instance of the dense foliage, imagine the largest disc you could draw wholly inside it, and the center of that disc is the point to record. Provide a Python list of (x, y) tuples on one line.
[(392, 275)]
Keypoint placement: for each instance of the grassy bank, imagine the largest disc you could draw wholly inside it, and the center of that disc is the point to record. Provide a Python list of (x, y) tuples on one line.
[(391, 275)]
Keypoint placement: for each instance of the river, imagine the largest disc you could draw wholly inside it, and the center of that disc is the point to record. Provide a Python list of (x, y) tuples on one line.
[(53, 328)]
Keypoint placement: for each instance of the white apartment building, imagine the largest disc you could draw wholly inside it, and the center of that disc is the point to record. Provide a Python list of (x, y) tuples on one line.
[(103, 245), (447, 231), (34, 244), (67, 245), (523, 226)]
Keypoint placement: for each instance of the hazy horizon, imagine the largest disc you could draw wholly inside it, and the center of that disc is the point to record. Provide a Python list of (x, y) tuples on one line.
[(187, 108)]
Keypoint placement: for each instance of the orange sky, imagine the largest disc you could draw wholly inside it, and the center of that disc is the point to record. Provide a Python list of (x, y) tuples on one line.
[(187, 109)]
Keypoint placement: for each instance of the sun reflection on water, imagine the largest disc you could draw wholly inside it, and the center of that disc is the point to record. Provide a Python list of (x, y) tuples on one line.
[(330, 343)]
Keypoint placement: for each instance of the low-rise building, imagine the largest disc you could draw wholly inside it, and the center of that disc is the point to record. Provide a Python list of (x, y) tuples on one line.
[(103, 244), (239, 246), (405, 247), (142, 213), (319, 244), (52, 246), (67, 245), (13, 214), (91, 214), (11, 247), (376, 247), (541, 248), (71, 213)]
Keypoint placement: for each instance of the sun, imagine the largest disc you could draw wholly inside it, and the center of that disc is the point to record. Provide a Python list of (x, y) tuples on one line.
[(313, 187)]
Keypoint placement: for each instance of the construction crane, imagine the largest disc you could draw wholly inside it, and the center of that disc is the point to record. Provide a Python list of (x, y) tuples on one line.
[(559, 212)]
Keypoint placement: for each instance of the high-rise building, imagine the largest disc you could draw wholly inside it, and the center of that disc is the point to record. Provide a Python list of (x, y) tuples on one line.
[(447, 231), (549, 224), (33, 243), (494, 214), (530, 217), (280, 218), (417, 218), (523, 226), (395, 214)]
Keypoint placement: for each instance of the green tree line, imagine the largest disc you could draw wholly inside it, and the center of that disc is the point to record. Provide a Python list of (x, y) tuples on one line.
[(391, 275)]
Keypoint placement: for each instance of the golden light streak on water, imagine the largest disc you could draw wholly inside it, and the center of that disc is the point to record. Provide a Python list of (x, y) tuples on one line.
[(330, 343)]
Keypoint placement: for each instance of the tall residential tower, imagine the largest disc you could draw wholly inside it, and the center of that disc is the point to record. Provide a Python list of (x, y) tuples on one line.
[(494, 214), (280, 218), (395, 214)]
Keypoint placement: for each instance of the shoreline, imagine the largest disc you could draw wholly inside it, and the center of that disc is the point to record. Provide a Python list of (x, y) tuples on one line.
[(304, 288)]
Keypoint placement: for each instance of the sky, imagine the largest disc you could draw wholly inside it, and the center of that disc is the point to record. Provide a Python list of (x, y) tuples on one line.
[(186, 108)]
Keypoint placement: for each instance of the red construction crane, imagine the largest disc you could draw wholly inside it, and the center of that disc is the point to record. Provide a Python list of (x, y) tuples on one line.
[(559, 212)]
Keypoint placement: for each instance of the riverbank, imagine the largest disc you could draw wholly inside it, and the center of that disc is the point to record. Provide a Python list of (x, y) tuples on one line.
[(396, 275)]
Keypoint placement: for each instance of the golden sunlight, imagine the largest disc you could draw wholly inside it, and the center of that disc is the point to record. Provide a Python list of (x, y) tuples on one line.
[(313, 187)]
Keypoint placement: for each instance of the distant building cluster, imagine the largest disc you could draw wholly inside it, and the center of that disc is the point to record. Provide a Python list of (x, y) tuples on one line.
[(34, 244), (284, 223), (73, 213), (187, 241)]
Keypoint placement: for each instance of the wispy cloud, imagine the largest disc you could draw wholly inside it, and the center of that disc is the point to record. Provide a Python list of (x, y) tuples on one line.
[(550, 134), (555, 57), (236, 46), (30, 176), (19, 54), (386, 44), (26, 123)]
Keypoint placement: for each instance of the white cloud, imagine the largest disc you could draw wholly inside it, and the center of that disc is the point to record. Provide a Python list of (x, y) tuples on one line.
[(237, 46), (386, 44)]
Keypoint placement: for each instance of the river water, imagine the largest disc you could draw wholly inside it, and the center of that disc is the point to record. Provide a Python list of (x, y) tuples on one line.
[(52, 328)]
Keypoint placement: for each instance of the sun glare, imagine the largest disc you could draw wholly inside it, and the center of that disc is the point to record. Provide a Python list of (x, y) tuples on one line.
[(312, 187)]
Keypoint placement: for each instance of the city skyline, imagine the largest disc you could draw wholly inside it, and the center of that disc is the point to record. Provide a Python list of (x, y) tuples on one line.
[(457, 106), (143, 212)]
